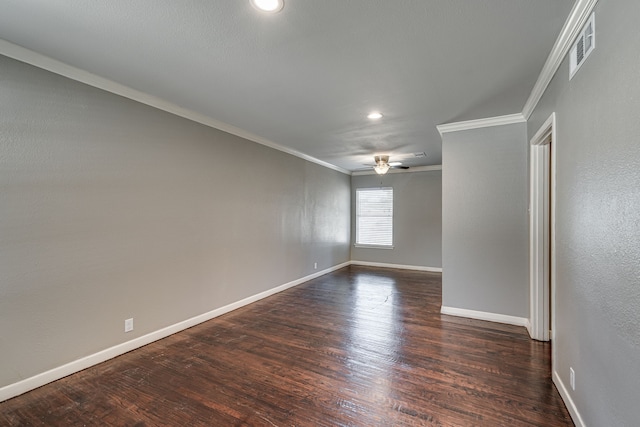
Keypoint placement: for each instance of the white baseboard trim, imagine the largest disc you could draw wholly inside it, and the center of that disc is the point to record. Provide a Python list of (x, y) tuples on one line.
[(566, 397), (399, 266), (483, 315), (16, 389)]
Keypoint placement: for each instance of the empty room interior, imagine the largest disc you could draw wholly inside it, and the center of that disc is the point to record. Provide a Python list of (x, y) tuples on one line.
[(320, 213)]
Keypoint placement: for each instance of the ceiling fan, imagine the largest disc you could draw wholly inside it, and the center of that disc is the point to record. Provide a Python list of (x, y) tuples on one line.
[(383, 165)]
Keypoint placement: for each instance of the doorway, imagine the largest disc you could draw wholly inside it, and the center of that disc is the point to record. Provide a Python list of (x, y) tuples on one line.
[(542, 180)]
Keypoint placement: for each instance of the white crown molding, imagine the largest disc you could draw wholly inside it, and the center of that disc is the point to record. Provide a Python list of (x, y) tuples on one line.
[(398, 266), (577, 18), (41, 61), (481, 123), (568, 401), (394, 171), (78, 365), (482, 315), (572, 26)]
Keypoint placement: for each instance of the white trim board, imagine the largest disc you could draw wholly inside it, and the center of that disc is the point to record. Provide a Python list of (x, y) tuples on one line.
[(573, 25), (579, 15), (569, 403), (482, 315), (398, 266), (542, 232), (78, 365), (41, 61), (394, 171), (481, 123)]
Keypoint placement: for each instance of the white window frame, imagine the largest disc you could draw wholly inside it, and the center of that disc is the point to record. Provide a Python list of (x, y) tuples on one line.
[(358, 215)]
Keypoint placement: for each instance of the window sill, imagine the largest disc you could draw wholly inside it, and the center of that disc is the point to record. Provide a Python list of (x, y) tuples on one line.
[(372, 246)]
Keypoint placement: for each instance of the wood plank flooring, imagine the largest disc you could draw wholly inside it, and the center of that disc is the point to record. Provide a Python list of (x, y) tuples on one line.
[(359, 347)]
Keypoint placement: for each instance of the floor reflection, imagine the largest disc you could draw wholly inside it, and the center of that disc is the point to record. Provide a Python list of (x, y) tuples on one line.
[(358, 347), (375, 331)]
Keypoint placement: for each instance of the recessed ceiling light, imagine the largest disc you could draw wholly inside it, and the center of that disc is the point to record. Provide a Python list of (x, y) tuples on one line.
[(268, 5), (374, 115)]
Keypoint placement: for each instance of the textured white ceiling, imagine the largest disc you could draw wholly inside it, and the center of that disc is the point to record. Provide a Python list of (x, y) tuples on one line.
[(305, 78)]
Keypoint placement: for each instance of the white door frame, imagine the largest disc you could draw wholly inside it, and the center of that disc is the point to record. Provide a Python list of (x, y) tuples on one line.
[(542, 235)]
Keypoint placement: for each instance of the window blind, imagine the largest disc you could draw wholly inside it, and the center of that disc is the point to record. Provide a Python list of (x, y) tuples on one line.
[(374, 216)]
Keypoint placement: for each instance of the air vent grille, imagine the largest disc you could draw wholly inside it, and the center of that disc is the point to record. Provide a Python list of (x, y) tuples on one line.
[(584, 45), (580, 51)]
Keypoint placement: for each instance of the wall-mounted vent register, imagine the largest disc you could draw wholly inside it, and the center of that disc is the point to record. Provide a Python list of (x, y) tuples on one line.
[(584, 45)]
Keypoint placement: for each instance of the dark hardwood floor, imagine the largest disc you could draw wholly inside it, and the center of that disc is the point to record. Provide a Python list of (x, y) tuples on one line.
[(358, 347)]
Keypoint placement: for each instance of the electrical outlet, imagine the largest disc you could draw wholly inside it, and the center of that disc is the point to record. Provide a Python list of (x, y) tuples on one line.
[(315, 265), (572, 378), (128, 325)]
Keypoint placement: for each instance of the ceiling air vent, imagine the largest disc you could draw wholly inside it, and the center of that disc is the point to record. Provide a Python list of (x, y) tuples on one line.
[(584, 45)]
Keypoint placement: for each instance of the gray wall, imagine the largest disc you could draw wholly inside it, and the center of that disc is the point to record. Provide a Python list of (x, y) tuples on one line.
[(485, 222), (598, 219), (111, 209), (417, 219)]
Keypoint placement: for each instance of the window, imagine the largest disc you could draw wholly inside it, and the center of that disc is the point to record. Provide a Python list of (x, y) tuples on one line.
[(374, 217)]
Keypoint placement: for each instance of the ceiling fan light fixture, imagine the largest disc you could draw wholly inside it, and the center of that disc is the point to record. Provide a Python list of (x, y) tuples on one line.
[(271, 6), (382, 165), (381, 168)]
